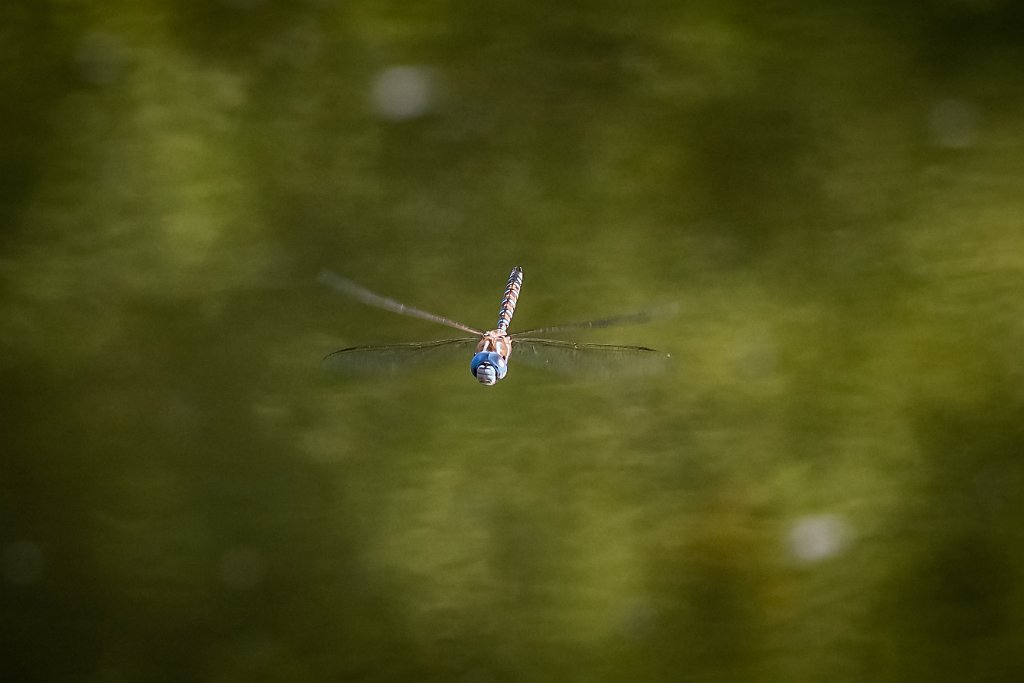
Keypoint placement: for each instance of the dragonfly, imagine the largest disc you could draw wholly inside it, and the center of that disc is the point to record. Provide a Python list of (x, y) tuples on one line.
[(492, 348)]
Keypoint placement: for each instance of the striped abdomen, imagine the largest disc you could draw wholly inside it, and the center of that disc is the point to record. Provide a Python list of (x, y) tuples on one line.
[(508, 304)]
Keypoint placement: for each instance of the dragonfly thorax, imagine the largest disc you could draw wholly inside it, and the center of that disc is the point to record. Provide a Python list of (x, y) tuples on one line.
[(490, 362)]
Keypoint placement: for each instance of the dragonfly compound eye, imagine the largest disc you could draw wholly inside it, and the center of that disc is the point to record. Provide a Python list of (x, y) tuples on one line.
[(488, 367)]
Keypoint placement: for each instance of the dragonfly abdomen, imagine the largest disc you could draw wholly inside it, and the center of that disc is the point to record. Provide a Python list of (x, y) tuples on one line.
[(508, 303)]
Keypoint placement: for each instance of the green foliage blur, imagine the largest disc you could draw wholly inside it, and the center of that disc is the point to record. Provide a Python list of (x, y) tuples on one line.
[(826, 484)]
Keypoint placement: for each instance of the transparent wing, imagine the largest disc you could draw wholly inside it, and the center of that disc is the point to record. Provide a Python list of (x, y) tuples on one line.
[(364, 295), (637, 318), (396, 358), (587, 359)]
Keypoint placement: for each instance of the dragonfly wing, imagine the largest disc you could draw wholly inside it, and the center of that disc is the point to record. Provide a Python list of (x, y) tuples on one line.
[(587, 359), (637, 318), (364, 295), (394, 359)]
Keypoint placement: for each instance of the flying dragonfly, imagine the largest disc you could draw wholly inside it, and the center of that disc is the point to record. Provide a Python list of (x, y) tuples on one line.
[(492, 347)]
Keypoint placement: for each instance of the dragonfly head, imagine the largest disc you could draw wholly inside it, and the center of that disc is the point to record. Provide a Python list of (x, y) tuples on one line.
[(488, 367)]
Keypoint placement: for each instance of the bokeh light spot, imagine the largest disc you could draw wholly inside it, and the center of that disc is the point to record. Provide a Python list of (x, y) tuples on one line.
[(817, 537), (400, 93)]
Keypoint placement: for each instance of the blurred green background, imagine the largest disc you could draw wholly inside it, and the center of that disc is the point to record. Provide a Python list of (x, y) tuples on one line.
[(826, 485)]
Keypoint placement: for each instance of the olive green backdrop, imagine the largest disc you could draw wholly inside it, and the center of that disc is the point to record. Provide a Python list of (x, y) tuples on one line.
[(825, 484)]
